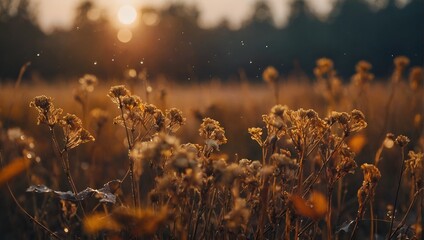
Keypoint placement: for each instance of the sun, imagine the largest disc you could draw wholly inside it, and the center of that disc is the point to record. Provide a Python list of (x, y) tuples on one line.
[(127, 14)]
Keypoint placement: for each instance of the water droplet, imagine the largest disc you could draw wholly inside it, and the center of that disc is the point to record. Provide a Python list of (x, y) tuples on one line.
[(250, 61), (95, 63), (84, 166), (266, 46)]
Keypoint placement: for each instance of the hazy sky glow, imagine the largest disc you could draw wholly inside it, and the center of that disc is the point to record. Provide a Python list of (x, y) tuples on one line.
[(60, 13)]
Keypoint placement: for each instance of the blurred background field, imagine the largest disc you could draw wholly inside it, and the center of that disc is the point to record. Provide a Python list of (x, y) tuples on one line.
[(207, 62)]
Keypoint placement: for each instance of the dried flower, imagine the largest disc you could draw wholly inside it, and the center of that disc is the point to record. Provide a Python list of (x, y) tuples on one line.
[(174, 119), (47, 114), (362, 75), (74, 133), (88, 81), (238, 216), (416, 78), (402, 140), (213, 133), (400, 62), (367, 190), (117, 92), (270, 74), (324, 67), (415, 166), (100, 117)]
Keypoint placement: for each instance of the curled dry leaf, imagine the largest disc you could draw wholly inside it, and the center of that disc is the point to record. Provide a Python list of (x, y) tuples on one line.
[(106, 194)]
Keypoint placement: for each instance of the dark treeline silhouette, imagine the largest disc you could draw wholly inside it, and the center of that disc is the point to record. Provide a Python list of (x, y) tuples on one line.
[(177, 47)]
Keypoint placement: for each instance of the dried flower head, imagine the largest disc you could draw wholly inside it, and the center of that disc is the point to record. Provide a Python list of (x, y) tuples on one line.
[(174, 119), (353, 122), (362, 75), (371, 173), (324, 66), (367, 190), (238, 216), (270, 74), (74, 133), (47, 114), (400, 62), (402, 140), (99, 116), (87, 82), (71, 121), (213, 133), (416, 78), (256, 134), (117, 92), (415, 165)]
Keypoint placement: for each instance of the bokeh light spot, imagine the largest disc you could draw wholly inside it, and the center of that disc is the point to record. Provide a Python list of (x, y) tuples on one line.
[(124, 35)]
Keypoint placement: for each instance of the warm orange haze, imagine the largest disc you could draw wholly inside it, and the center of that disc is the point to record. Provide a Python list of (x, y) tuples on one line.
[(147, 125)]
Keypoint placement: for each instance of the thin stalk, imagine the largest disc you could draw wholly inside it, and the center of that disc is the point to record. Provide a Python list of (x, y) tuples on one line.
[(328, 220), (303, 230), (131, 161), (24, 211), (29, 215), (387, 108), (359, 216), (276, 92), (397, 192), (406, 214), (372, 221), (63, 154), (323, 166)]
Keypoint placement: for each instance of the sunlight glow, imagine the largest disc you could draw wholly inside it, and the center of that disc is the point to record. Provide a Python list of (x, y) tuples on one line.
[(127, 14)]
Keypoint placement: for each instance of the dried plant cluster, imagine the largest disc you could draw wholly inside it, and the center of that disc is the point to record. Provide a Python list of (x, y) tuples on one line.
[(298, 189)]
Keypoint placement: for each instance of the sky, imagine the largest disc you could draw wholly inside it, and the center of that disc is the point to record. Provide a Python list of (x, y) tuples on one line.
[(60, 13)]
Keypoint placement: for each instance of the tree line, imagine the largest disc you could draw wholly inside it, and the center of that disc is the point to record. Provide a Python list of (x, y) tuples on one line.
[(172, 44)]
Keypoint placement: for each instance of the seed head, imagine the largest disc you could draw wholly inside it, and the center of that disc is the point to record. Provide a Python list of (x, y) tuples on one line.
[(87, 82), (47, 114), (270, 75), (416, 78), (402, 140)]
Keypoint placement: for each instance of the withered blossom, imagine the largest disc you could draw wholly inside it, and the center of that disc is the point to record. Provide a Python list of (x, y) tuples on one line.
[(47, 113)]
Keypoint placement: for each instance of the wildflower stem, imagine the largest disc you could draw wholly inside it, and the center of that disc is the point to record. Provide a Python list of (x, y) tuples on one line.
[(323, 166), (406, 214), (63, 155), (329, 227), (371, 221), (131, 161), (397, 193), (24, 211)]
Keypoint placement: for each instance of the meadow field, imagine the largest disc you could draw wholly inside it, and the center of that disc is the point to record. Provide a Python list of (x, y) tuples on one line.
[(282, 158)]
